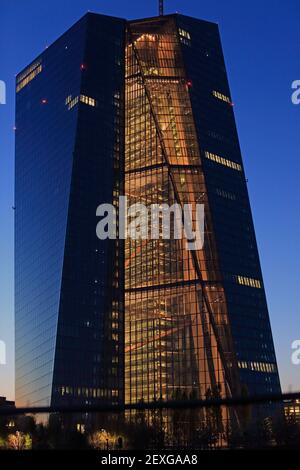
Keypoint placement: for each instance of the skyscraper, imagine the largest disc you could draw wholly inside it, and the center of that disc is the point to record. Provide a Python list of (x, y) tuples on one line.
[(69, 151), (141, 109)]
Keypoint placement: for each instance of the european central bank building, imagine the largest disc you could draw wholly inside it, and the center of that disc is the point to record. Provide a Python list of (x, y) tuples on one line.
[(140, 109)]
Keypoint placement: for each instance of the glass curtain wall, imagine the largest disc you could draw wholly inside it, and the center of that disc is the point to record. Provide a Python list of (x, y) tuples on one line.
[(177, 334)]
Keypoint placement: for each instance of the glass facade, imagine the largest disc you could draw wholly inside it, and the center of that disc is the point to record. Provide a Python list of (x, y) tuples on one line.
[(141, 109), (177, 334), (69, 304), (196, 323), (229, 206)]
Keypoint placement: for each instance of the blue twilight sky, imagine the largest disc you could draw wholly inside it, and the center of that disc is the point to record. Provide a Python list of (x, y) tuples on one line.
[(261, 43)]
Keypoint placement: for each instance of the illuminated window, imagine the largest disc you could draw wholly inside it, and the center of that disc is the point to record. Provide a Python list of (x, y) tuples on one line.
[(221, 97), (184, 34), (292, 410), (29, 74), (258, 366), (80, 428), (71, 102), (248, 281), (151, 71), (146, 37), (223, 161), (88, 100)]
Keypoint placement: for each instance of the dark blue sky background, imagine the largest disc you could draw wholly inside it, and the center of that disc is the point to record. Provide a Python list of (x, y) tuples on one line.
[(261, 43)]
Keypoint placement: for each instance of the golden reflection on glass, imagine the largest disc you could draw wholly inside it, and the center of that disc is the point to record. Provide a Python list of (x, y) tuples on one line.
[(171, 347)]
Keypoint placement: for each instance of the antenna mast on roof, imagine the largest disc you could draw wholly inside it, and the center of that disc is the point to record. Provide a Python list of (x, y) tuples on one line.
[(161, 7)]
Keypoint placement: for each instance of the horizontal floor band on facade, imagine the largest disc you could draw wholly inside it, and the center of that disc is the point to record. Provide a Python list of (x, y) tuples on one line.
[(173, 284), (163, 165), (168, 78)]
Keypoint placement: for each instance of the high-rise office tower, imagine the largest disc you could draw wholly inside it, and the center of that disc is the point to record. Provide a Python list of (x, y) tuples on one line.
[(141, 109), (69, 151)]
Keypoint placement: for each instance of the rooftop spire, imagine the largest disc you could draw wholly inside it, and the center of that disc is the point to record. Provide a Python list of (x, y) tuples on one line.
[(161, 7)]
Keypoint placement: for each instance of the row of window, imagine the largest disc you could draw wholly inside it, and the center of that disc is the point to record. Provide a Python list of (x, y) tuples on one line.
[(249, 282), (28, 75), (87, 392), (71, 102), (28, 70), (293, 410), (184, 34), (185, 37), (88, 100), (221, 97), (258, 366), (223, 161), (145, 37)]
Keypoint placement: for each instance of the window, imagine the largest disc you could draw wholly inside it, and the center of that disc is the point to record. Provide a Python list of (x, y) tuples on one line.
[(88, 100), (223, 161), (248, 281), (29, 74), (71, 102), (80, 428), (184, 34), (221, 97), (258, 366)]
